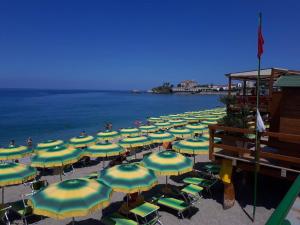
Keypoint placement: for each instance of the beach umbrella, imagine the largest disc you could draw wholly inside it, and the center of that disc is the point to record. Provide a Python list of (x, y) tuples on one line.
[(148, 129), (167, 163), (14, 173), (155, 119), (108, 135), (191, 119), (205, 136), (177, 122), (14, 152), (132, 142), (163, 125), (209, 122), (129, 132), (164, 117), (103, 150), (195, 146), (128, 178), (197, 128), (71, 198), (181, 132), (48, 144), (174, 116), (58, 156), (82, 141), (161, 137)]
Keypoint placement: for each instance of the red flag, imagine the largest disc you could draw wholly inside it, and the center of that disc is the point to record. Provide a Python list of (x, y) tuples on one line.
[(260, 42)]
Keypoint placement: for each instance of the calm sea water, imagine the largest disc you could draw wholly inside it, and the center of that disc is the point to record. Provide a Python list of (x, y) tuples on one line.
[(52, 114)]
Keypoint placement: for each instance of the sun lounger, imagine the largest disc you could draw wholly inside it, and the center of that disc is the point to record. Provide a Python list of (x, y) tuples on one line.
[(206, 184), (146, 214), (176, 204), (193, 192), (22, 209), (117, 219), (3, 214)]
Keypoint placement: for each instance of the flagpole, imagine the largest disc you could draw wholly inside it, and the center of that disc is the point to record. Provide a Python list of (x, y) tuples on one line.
[(257, 134)]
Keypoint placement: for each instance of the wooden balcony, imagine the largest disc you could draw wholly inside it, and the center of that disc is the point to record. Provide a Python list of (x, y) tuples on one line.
[(278, 153)]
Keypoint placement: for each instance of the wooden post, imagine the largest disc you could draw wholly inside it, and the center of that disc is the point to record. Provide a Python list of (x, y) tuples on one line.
[(271, 82), (211, 143), (229, 195), (229, 85)]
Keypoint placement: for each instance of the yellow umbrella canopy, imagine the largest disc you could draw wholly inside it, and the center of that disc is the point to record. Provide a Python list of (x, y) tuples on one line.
[(48, 144), (14, 152), (129, 132), (108, 135), (181, 132), (82, 141)]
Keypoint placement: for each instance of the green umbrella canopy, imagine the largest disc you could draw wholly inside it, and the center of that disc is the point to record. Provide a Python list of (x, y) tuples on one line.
[(15, 173), (129, 132), (174, 116), (103, 150), (205, 136), (128, 178), (14, 152), (197, 127), (167, 163), (160, 137), (209, 122), (148, 128), (56, 157), (163, 125), (155, 119), (191, 119), (108, 135), (48, 144), (177, 122), (71, 198), (195, 146), (181, 132), (82, 141), (131, 142)]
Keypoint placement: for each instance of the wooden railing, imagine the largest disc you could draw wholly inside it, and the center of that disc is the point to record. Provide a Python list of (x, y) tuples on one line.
[(225, 133), (250, 100)]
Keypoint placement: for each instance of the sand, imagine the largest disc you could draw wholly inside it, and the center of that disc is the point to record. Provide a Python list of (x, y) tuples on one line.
[(209, 210)]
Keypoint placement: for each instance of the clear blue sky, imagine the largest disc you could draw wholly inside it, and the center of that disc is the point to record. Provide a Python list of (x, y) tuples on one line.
[(128, 44)]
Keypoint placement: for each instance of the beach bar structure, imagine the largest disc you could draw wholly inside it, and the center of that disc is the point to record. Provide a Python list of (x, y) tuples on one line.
[(279, 146), (268, 78)]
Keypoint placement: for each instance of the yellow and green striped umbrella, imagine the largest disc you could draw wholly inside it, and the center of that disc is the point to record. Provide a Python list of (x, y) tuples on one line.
[(148, 129), (191, 119), (164, 117), (197, 128), (103, 150), (205, 136), (209, 122), (128, 178), (181, 132), (195, 146), (167, 163), (14, 152), (15, 173), (155, 119), (163, 125), (108, 135), (132, 142), (48, 144), (161, 137), (174, 116), (130, 132), (71, 198), (82, 141), (56, 157), (177, 122)]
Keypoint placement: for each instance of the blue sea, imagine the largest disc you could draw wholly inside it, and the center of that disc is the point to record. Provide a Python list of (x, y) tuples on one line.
[(53, 114)]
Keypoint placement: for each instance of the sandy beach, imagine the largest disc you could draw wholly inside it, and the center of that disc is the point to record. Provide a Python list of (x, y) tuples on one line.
[(209, 211)]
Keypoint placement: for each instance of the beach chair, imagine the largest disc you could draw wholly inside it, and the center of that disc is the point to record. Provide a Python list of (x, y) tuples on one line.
[(146, 214), (93, 175), (4, 214), (117, 219), (193, 193), (205, 183), (68, 170), (38, 185), (22, 209), (178, 205)]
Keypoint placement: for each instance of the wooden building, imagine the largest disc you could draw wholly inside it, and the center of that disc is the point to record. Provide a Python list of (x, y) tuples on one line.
[(279, 148)]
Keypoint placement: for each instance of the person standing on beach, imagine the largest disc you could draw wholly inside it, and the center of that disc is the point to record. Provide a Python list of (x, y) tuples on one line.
[(83, 134), (29, 142), (12, 143)]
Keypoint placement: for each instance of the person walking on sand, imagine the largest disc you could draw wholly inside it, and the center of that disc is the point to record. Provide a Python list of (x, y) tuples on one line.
[(29, 142)]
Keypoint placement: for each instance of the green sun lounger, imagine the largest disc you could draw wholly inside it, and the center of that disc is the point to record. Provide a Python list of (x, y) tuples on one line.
[(193, 192), (117, 219), (207, 184), (146, 214), (176, 204)]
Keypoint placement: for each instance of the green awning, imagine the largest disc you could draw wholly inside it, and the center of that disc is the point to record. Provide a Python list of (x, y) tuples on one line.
[(288, 81)]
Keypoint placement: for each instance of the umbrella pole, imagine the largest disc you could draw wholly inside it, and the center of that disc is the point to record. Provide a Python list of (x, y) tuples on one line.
[(102, 162), (60, 173), (2, 195), (73, 220)]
